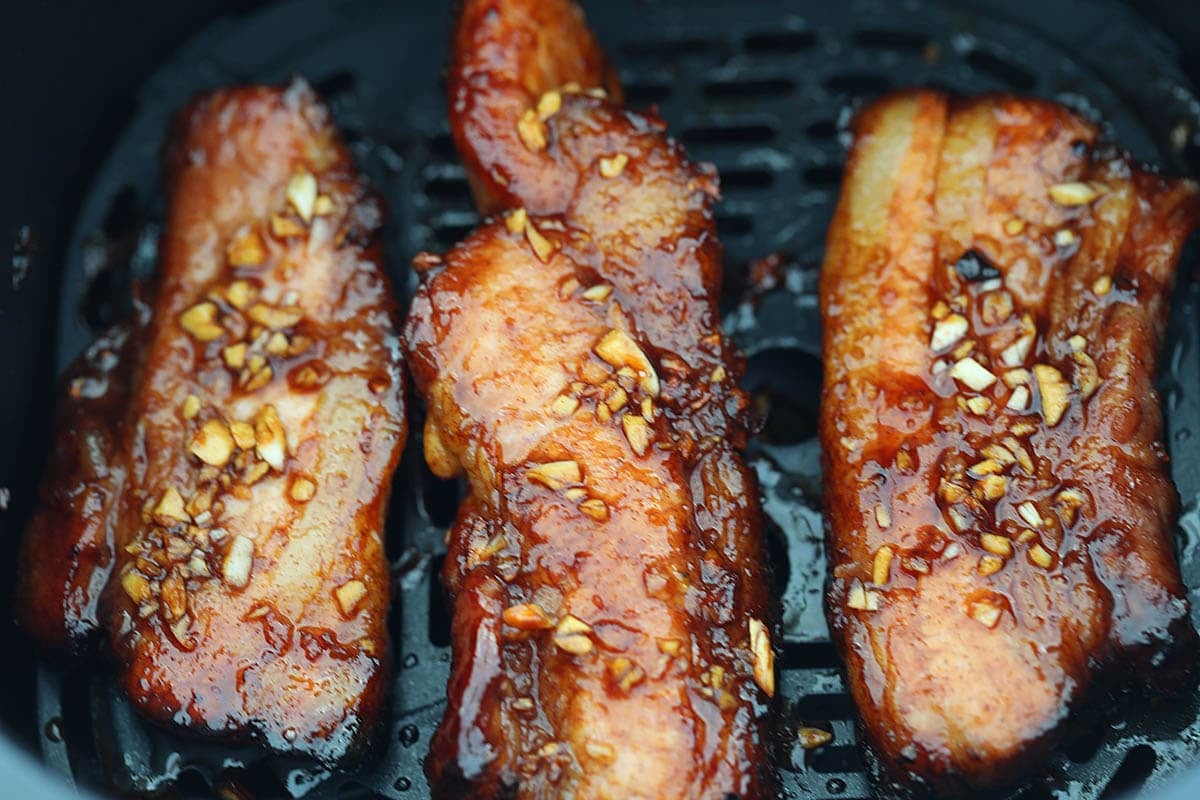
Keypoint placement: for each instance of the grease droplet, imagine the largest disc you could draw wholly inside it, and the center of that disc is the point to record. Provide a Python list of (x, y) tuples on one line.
[(402, 784), (409, 735), (835, 786), (54, 730)]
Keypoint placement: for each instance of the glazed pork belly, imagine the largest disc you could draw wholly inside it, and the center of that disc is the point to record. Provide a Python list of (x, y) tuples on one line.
[(611, 619), (1001, 522), (227, 486)]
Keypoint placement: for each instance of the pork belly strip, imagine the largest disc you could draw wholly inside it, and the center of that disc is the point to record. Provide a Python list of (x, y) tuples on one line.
[(1001, 521), (611, 624), (252, 444)]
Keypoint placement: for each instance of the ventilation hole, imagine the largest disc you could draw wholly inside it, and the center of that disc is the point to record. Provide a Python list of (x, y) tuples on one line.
[(645, 94), (669, 50), (76, 723), (441, 146), (778, 564), (822, 129), (735, 224), (440, 500), (1132, 774), (336, 86), (749, 88), (1011, 75), (447, 236), (809, 655), (835, 758), (409, 735), (891, 40), (191, 783), (439, 613), (824, 176), (825, 706), (1081, 747), (782, 385), (453, 191), (746, 178), (858, 84), (781, 42), (728, 134)]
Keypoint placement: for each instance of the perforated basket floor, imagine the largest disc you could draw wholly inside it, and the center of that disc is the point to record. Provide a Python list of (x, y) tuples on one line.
[(763, 91)]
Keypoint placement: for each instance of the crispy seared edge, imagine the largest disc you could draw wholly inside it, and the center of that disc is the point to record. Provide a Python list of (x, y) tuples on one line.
[(66, 549)]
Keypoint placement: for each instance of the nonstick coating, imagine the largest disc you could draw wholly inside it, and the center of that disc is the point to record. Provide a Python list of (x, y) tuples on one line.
[(763, 90)]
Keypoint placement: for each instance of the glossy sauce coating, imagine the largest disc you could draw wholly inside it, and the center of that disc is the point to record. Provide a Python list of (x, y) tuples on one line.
[(1001, 521), (611, 627), (259, 430)]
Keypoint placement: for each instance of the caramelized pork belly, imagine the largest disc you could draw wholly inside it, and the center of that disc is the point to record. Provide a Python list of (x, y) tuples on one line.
[(235, 475), (1001, 521), (611, 625)]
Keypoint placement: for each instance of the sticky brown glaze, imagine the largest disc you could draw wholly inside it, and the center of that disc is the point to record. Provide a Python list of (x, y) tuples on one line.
[(233, 475), (606, 570), (66, 552), (1001, 529), (504, 57)]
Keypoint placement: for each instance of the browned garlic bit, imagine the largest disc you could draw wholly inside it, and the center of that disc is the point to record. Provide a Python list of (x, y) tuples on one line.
[(555, 475), (527, 617), (1054, 392), (573, 635), (881, 566), (349, 595), (532, 131), (247, 249), (516, 220), (812, 738), (1074, 193), (625, 674), (302, 194), (1040, 556), (764, 656), (637, 432), (238, 561), (542, 246), (985, 612), (548, 105), (598, 293), (613, 166), (595, 508), (200, 322), (619, 350), (861, 598)]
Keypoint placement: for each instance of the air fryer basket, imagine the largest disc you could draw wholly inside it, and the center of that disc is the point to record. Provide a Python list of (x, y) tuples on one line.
[(763, 90)]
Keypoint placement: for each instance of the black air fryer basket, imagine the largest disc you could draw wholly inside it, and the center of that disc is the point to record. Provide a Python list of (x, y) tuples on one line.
[(763, 90)]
